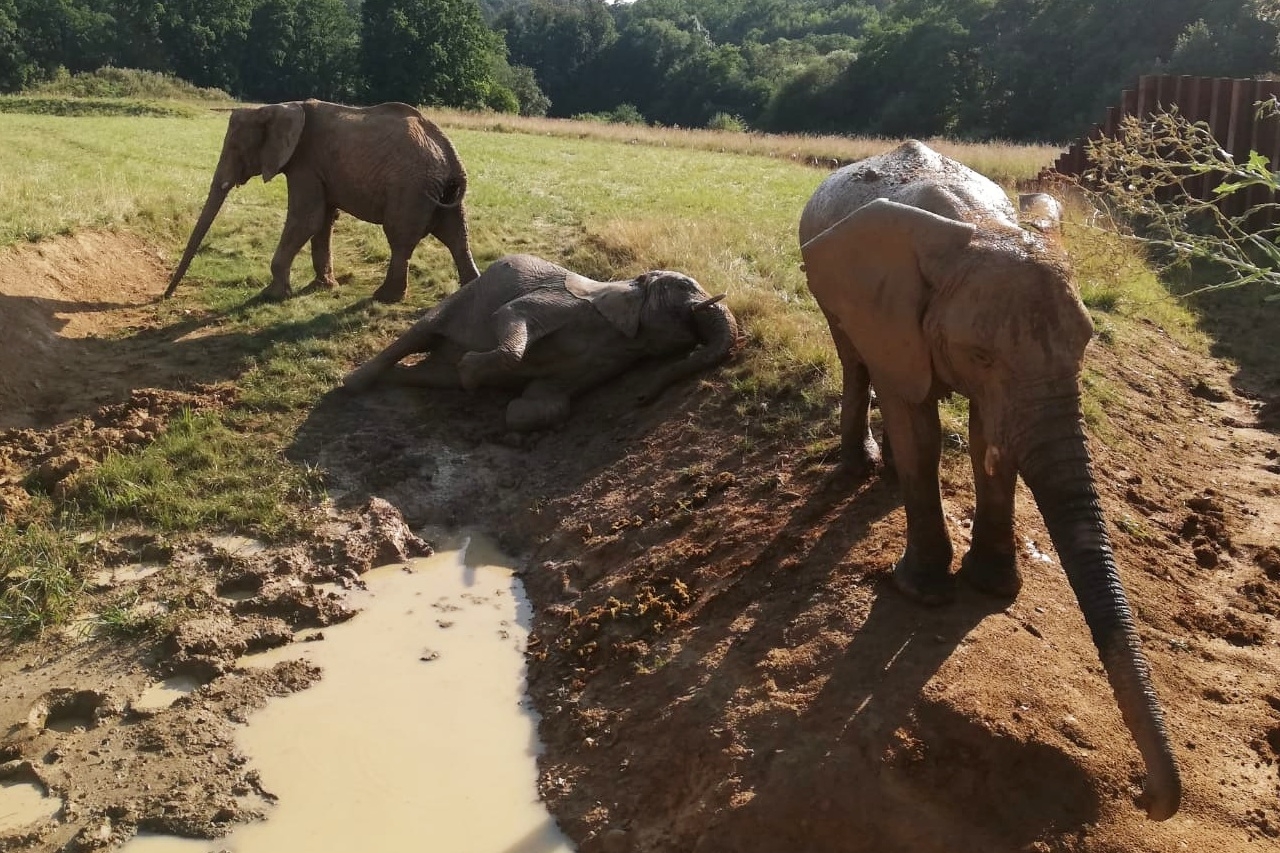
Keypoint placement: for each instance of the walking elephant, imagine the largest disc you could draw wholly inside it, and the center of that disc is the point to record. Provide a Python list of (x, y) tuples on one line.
[(930, 286), (385, 164), (529, 324)]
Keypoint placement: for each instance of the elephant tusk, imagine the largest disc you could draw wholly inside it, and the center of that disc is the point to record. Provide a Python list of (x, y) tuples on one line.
[(707, 303), (991, 462)]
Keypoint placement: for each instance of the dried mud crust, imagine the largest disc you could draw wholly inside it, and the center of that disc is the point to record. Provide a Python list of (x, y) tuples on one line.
[(718, 659)]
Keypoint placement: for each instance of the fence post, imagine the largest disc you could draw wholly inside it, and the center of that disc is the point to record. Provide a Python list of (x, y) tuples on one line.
[(1147, 96)]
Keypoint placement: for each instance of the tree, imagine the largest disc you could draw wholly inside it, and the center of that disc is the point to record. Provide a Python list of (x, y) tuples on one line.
[(559, 40), (432, 52), (300, 49), (205, 40)]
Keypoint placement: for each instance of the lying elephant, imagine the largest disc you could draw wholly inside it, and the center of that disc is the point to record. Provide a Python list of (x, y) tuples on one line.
[(527, 323), (930, 286), (385, 164)]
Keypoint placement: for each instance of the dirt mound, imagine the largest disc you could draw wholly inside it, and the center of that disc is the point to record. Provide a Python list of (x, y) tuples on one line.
[(73, 288)]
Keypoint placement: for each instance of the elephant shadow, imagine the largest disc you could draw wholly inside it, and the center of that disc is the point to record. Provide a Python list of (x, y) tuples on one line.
[(47, 377), (870, 761)]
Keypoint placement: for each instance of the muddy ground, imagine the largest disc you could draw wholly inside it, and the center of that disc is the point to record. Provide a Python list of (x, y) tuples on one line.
[(720, 662)]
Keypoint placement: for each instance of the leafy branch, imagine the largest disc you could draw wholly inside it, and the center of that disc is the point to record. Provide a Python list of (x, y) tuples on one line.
[(1151, 177)]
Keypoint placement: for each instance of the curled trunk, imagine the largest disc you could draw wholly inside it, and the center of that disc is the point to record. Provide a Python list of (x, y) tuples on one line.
[(718, 334), (217, 195), (1055, 466)]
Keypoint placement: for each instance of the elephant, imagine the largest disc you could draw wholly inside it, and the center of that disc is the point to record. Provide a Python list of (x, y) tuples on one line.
[(386, 164), (529, 324), (929, 286)]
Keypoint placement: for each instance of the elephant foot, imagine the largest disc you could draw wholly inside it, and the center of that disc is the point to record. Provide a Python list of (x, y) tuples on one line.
[(928, 584), (362, 378), (862, 462), (275, 293), (991, 572), (388, 294), (326, 283), (525, 414), (476, 368)]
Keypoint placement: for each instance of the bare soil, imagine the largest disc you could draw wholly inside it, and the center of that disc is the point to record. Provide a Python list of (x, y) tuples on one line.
[(720, 662)]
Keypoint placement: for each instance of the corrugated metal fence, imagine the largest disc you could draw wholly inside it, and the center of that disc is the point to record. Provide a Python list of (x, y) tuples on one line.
[(1226, 105)]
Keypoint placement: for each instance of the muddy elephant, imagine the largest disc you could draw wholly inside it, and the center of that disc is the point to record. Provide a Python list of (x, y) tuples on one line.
[(930, 286), (529, 324), (385, 164)]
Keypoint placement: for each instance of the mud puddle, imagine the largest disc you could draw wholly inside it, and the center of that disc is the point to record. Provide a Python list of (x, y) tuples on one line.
[(24, 804), (418, 729)]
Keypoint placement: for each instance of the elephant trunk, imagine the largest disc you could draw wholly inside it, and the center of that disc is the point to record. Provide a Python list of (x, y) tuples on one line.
[(718, 336), (1054, 463), (217, 195)]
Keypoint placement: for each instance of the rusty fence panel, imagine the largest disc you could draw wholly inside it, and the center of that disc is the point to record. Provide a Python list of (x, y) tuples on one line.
[(1225, 105)]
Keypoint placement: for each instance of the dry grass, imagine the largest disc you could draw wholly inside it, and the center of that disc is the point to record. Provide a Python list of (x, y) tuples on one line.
[(1004, 162)]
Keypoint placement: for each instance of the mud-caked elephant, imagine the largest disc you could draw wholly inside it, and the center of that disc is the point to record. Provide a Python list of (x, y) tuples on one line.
[(930, 286), (385, 164), (529, 324)]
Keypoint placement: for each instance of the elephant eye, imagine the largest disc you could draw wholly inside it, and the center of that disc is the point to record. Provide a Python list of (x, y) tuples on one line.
[(981, 357)]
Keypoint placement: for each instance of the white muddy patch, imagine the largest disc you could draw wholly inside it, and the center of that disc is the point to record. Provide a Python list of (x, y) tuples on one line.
[(417, 737)]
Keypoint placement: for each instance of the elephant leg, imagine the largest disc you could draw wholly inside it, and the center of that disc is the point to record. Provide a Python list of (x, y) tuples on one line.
[(543, 404), (428, 373), (494, 366), (859, 454), (402, 242), (322, 254), (304, 220), (991, 564), (421, 337), (923, 572), (451, 229)]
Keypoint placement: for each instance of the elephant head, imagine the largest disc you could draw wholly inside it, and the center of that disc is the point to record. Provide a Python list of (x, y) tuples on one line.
[(668, 312), (934, 304), (259, 141)]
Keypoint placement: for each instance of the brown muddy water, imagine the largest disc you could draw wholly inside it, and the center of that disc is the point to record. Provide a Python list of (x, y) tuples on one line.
[(24, 804), (418, 737)]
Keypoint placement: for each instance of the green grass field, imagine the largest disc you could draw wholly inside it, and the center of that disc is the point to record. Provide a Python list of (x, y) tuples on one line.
[(607, 205)]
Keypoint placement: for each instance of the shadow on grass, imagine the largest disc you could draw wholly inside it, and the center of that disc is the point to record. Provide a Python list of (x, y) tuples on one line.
[(46, 378), (1243, 325)]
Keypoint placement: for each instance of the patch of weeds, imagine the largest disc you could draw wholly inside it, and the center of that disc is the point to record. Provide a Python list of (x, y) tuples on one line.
[(1135, 528), (122, 620), (1103, 329), (199, 473), (38, 583), (1098, 394)]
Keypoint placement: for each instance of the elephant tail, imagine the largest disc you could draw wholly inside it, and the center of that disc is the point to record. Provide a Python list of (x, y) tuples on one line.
[(453, 191)]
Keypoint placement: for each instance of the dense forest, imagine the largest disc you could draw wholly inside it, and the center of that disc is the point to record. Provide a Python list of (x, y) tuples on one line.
[(1013, 69)]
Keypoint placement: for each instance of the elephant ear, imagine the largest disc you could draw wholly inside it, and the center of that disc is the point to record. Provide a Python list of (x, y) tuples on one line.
[(872, 271), (618, 301), (282, 128)]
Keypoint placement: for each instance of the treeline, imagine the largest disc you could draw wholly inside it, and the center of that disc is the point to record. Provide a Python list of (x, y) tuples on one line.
[(1013, 69)]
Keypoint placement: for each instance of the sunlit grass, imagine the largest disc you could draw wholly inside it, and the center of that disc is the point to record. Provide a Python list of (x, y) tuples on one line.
[(38, 585), (200, 473)]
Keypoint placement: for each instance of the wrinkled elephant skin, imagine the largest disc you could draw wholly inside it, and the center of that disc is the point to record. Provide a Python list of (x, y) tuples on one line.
[(930, 286), (531, 325), (386, 164)]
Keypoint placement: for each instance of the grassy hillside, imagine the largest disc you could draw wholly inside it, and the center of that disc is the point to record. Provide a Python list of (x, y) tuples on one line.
[(607, 205)]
